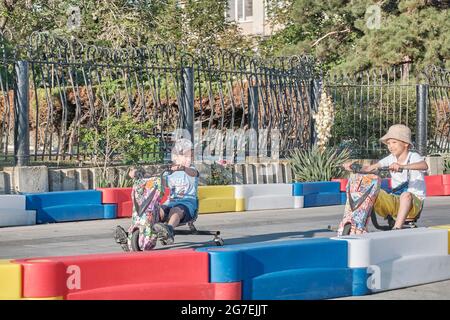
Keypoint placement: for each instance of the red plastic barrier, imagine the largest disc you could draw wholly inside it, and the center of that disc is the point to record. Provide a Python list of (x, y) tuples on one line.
[(434, 185), (163, 291), (121, 197), (178, 274), (446, 184), (343, 182)]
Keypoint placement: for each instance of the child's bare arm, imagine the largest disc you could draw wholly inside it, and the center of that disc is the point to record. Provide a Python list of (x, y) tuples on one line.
[(189, 171), (371, 168), (366, 168), (421, 165)]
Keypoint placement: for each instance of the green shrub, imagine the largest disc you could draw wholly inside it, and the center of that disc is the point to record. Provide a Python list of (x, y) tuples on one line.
[(220, 175)]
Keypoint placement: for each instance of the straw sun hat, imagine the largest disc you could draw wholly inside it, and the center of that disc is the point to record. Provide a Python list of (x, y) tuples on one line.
[(398, 132)]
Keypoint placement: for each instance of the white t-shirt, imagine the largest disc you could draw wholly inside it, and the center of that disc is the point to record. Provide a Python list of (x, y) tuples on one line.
[(416, 177)]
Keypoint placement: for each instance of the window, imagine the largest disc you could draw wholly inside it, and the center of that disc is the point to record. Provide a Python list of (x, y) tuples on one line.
[(248, 8), (240, 10)]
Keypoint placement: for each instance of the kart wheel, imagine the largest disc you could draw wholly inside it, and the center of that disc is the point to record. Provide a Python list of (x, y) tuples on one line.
[(218, 241), (135, 241), (347, 229)]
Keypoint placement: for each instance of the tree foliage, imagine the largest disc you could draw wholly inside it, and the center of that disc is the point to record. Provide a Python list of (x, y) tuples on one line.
[(123, 23), (343, 32)]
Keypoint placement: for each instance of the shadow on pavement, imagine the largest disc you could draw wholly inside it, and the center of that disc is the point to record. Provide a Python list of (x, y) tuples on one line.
[(248, 239)]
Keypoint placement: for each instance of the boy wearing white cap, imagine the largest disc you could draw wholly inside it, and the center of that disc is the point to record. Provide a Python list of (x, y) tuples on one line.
[(407, 172), (182, 205)]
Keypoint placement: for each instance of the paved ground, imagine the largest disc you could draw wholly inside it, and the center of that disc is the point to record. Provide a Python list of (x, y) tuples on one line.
[(257, 226)]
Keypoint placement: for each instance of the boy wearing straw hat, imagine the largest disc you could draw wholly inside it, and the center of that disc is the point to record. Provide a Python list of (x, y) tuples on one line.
[(407, 173)]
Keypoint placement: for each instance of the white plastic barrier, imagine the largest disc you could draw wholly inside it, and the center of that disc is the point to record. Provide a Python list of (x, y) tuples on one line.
[(267, 196), (12, 201), (13, 212), (400, 258)]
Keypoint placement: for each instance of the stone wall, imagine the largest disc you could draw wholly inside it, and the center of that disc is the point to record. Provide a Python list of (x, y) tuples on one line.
[(42, 179)]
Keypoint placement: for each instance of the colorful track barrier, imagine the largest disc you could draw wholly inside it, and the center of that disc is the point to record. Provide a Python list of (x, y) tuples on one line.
[(121, 197), (444, 227), (213, 199), (301, 269), (317, 194), (69, 206), (267, 196), (145, 275), (10, 280), (401, 258)]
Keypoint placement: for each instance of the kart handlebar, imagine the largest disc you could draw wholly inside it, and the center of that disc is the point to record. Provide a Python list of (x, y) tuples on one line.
[(141, 174), (357, 168)]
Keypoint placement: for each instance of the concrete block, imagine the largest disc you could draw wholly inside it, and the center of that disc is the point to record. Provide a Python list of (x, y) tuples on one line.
[(69, 179), (261, 175), (84, 179), (31, 179), (55, 180), (250, 174), (270, 173), (4, 183), (435, 165), (287, 173), (238, 174), (278, 173)]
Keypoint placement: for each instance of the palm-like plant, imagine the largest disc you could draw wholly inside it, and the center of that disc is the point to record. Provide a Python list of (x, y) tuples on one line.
[(318, 165)]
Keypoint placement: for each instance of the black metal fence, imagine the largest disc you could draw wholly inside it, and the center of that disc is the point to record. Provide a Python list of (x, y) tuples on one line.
[(234, 106), (217, 96), (368, 103), (438, 91)]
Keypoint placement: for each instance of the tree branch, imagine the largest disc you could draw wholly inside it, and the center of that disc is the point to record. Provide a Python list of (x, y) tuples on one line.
[(329, 34)]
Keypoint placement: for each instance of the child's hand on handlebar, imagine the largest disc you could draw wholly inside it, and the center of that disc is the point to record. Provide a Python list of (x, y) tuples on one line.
[(395, 167), (347, 166), (177, 168)]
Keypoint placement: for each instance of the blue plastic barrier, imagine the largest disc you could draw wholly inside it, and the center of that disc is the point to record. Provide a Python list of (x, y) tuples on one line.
[(326, 193), (69, 206), (301, 269), (343, 197)]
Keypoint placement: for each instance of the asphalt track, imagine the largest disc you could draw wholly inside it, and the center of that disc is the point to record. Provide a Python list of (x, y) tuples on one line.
[(89, 237)]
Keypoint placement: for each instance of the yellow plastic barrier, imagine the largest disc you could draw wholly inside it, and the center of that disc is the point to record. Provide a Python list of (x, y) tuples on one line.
[(213, 199), (10, 280), (447, 227)]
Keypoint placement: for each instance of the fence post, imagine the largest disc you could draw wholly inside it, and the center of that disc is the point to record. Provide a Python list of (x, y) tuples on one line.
[(187, 107), (21, 110), (422, 115), (253, 103)]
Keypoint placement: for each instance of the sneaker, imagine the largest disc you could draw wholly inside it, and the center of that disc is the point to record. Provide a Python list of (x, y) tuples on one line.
[(165, 233), (121, 237)]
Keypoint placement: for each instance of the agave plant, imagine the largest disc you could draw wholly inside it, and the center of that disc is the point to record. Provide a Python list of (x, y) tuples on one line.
[(318, 165), (446, 165)]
